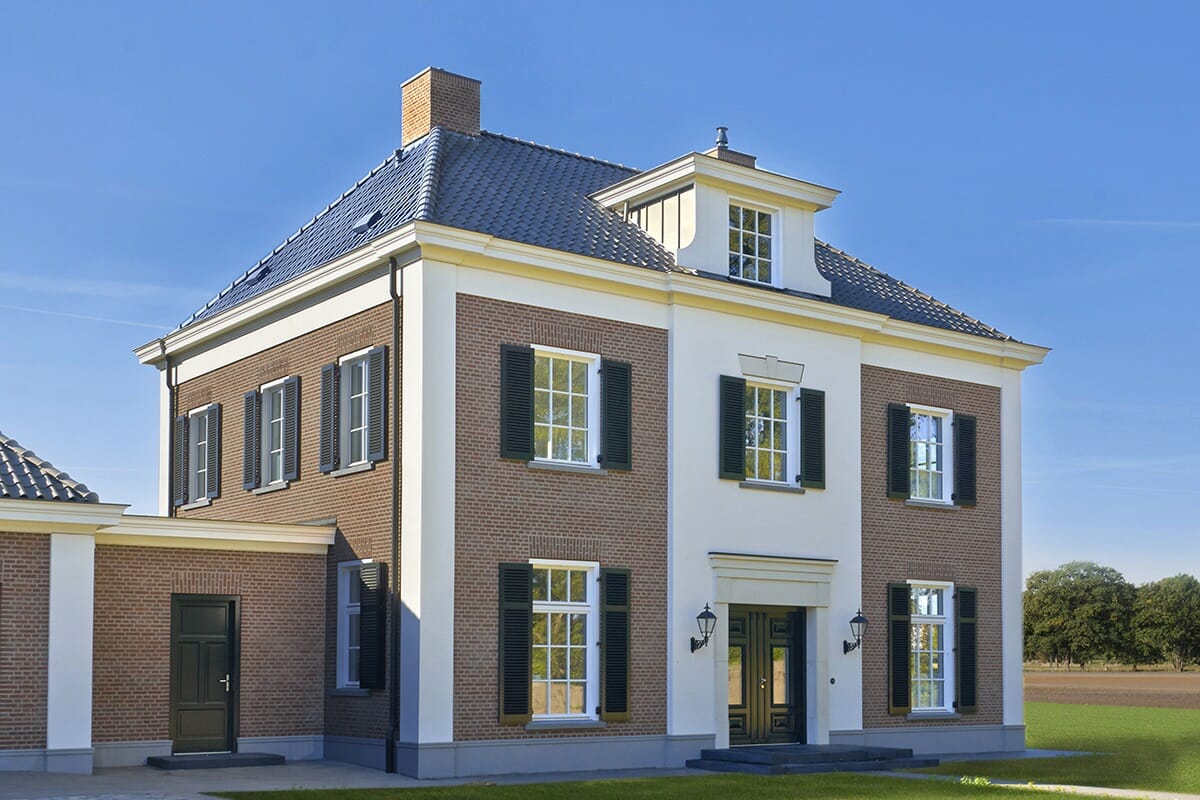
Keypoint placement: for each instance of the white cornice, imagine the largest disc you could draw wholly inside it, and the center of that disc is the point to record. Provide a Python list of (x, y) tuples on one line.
[(56, 516), (204, 534), (706, 169), (340, 269)]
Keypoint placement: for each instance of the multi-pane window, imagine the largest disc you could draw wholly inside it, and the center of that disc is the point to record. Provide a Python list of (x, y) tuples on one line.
[(272, 428), (349, 609), (929, 455), (198, 436), (355, 376), (766, 433), (565, 397), (564, 630), (930, 670), (750, 244)]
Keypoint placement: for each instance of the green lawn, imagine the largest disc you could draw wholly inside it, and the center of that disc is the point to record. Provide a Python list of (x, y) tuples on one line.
[(714, 787), (1148, 748)]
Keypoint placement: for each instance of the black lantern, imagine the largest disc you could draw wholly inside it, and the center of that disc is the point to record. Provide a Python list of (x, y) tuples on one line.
[(858, 626), (706, 620)]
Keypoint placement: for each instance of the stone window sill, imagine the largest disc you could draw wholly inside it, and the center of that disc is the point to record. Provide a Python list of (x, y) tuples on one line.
[(554, 466), (771, 487), (931, 504), (350, 691), (271, 487), (353, 469), (920, 716), (201, 503), (565, 724)]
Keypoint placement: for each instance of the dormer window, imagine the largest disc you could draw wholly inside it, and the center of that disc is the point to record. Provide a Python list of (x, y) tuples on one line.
[(751, 250)]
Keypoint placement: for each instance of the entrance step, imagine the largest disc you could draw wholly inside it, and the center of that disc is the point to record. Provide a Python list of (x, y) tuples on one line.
[(215, 760), (808, 758)]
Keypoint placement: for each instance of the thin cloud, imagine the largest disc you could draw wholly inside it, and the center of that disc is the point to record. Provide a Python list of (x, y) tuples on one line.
[(1160, 224), (1165, 465), (161, 327), (88, 287)]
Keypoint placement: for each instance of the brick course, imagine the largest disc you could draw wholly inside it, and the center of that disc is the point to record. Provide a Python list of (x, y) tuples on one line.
[(359, 502), (281, 663), (24, 632), (902, 542), (506, 511)]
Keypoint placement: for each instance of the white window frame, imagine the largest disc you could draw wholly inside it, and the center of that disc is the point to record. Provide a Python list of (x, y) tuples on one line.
[(776, 260), (345, 364), (792, 441), (591, 699), (593, 404), (946, 620), (346, 611), (264, 433), (947, 470), (197, 467)]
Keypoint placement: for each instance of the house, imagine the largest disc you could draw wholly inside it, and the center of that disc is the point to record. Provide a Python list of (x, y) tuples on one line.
[(607, 461)]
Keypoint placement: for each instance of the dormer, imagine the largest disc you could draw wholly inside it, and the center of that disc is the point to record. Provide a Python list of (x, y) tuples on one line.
[(720, 214)]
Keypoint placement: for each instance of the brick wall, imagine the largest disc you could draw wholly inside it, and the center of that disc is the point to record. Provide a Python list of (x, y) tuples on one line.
[(505, 511), (436, 97), (359, 502), (24, 628), (281, 648), (902, 542)]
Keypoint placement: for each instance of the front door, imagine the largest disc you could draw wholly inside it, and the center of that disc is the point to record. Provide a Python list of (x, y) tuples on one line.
[(766, 675), (203, 673)]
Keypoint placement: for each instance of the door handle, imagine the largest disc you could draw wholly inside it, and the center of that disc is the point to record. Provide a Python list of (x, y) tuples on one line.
[(762, 683), (225, 681)]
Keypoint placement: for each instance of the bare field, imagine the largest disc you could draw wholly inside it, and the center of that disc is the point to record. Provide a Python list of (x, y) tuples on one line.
[(1145, 689)]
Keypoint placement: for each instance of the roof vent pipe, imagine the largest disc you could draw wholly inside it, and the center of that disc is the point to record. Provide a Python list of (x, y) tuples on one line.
[(722, 137)]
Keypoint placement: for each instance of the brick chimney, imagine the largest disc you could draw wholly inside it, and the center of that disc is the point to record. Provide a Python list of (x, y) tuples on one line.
[(435, 97)]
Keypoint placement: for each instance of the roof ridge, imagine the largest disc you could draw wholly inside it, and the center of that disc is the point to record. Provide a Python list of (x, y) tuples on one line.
[(561, 152), (27, 455), (395, 156), (431, 176), (913, 289)]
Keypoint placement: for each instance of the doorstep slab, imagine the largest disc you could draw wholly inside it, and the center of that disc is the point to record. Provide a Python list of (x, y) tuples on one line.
[(215, 760)]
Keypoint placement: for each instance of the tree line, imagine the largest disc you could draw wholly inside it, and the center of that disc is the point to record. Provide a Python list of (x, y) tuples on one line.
[(1083, 612)]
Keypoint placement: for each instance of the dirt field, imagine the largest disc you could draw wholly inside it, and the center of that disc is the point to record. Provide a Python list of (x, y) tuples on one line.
[(1149, 689)]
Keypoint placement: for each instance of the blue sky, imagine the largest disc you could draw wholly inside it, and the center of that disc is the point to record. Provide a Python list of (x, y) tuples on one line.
[(1032, 164)]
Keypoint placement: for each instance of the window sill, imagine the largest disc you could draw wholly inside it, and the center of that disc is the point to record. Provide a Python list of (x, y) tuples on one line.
[(206, 501), (565, 724), (771, 487), (918, 716), (270, 487), (350, 691), (931, 504), (555, 466), (353, 469), (748, 282)]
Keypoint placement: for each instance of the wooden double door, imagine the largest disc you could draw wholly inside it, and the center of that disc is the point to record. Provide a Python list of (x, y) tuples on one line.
[(204, 662), (766, 675)]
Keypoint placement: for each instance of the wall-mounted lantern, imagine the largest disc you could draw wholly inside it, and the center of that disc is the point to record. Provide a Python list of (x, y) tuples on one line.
[(706, 620), (858, 627)]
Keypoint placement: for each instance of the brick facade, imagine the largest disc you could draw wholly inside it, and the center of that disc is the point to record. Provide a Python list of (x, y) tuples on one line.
[(507, 511), (902, 542), (24, 632), (281, 663), (359, 502)]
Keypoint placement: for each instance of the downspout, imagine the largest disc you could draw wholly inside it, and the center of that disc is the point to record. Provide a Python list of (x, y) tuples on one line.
[(171, 401), (393, 734)]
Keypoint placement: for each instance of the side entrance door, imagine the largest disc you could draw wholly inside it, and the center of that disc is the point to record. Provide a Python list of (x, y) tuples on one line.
[(766, 675), (203, 673)]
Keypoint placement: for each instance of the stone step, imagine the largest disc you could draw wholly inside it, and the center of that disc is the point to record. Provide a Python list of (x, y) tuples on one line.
[(809, 768), (801, 754), (215, 760)]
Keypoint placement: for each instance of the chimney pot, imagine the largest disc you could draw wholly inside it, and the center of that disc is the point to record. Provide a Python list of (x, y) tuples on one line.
[(435, 97)]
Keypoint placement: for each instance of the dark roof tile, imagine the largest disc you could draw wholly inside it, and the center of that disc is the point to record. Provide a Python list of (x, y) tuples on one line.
[(24, 476)]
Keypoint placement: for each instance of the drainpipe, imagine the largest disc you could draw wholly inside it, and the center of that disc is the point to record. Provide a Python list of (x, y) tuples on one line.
[(171, 401), (393, 734)]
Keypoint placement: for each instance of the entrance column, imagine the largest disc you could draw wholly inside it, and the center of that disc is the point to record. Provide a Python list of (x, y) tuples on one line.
[(69, 653)]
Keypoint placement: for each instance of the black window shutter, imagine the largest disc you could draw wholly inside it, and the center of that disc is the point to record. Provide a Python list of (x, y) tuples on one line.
[(516, 402), (377, 404), (212, 488), (291, 428), (966, 647), (179, 444), (328, 446), (616, 405), (372, 626), (515, 643), (964, 460), (812, 438), (732, 433), (251, 460), (897, 451), (614, 644), (899, 648)]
